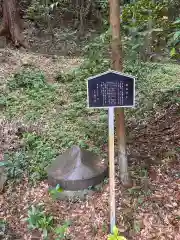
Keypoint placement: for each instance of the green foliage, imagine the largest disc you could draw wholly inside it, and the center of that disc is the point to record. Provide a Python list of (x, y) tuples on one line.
[(138, 13), (115, 235), (54, 5), (59, 110), (145, 25), (3, 101), (99, 47), (171, 95), (16, 165), (61, 231), (27, 79), (70, 122), (29, 95), (54, 192), (43, 11), (3, 227), (137, 227), (102, 3), (3, 164), (36, 10), (104, 228), (30, 161), (31, 103), (38, 219), (174, 41), (40, 154), (153, 79)]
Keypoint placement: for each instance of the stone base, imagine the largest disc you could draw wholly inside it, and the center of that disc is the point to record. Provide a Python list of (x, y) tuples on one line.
[(77, 169), (78, 195)]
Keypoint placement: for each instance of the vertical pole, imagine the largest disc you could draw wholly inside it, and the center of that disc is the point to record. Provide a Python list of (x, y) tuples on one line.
[(117, 65), (111, 168)]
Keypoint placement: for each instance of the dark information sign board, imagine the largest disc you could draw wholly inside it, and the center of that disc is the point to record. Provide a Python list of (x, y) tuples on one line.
[(111, 89)]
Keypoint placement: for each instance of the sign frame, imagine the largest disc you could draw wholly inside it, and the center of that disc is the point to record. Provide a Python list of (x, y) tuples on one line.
[(120, 74)]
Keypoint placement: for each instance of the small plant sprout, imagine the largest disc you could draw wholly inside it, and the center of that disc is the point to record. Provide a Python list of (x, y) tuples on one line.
[(3, 227), (54, 192), (115, 235), (38, 219), (61, 231)]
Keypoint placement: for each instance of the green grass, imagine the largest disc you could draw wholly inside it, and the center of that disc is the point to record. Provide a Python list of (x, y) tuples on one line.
[(154, 82), (30, 98), (61, 113)]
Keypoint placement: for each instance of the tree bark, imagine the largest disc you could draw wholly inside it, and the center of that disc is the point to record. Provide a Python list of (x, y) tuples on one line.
[(12, 26), (117, 64)]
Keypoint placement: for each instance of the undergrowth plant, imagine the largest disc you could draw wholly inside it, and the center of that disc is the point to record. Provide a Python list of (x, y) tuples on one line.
[(60, 109), (41, 153), (3, 226), (38, 219), (61, 231), (115, 235), (174, 39), (28, 78), (145, 25), (54, 192), (15, 165)]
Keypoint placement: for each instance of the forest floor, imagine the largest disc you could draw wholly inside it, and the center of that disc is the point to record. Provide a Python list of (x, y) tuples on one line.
[(37, 124), (12, 60)]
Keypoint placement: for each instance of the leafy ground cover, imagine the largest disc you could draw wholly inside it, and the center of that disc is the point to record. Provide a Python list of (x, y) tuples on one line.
[(42, 118)]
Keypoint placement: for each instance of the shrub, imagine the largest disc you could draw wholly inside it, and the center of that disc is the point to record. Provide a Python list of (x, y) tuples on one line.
[(38, 219), (16, 165), (61, 231), (115, 235), (27, 78), (174, 41)]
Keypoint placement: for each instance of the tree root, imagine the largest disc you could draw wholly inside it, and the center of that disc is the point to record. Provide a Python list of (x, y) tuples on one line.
[(11, 26)]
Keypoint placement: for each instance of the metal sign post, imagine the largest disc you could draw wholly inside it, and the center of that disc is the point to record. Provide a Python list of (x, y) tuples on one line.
[(111, 90), (111, 168)]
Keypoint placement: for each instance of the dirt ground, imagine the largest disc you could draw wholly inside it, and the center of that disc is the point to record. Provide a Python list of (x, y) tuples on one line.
[(51, 54), (12, 60)]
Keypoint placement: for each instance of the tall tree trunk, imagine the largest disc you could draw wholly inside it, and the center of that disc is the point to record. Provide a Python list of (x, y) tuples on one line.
[(117, 64), (11, 26)]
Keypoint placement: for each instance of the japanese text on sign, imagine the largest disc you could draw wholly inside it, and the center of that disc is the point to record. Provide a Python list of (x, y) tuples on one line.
[(111, 89)]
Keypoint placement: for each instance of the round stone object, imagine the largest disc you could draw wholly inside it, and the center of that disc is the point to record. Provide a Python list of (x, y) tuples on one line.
[(77, 169), (74, 196)]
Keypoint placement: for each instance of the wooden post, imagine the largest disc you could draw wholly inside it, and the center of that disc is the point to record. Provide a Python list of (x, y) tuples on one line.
[(111, 169), (117, 64)]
